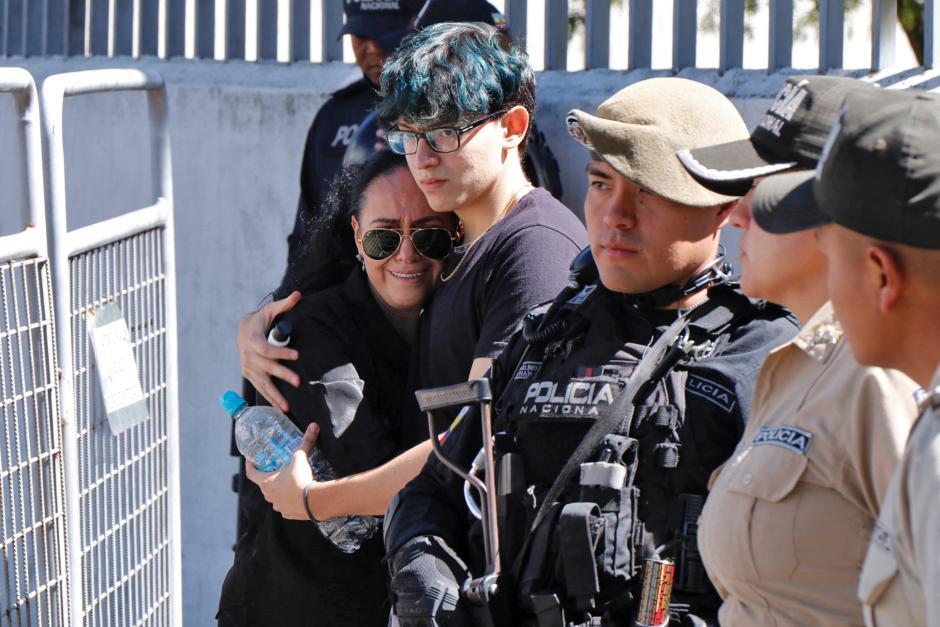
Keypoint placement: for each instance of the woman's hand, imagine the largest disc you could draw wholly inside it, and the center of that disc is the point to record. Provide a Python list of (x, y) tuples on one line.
[(284, 488), (259, 359)]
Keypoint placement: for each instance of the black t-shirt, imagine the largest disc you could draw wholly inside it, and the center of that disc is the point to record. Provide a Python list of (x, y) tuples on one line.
[(285, 571), (330, 134), (520, 262)]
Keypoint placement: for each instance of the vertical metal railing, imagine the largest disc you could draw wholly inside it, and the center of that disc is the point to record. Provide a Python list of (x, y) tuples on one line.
[(122, 491), (517, 14), (640, 43), (931, 33), (780, 54), (731, 36), (831, 34), (684, 33), (33, 560), (280, 30), (597, 34), (195, 29), (556, 34)]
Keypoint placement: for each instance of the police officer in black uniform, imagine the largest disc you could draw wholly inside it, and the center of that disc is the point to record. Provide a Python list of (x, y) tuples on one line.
[(375, 28), (572, 549)]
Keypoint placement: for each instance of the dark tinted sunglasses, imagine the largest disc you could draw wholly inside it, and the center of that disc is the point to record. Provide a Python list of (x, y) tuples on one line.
[(433, 243)]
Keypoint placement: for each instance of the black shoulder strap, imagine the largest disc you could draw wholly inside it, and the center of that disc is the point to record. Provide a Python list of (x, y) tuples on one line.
[(621, 409)]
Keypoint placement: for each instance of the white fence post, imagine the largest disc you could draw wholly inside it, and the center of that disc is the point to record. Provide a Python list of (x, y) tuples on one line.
[(33, 560), (122, 491)]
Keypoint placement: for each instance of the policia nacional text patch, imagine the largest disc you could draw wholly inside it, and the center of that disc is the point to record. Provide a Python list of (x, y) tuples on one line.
[(796, 440)]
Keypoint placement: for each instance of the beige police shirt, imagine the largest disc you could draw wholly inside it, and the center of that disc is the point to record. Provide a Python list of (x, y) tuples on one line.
[(900, 583), (787, 522)]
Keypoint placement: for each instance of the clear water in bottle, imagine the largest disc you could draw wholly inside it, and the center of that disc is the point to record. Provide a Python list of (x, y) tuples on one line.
[(268, 439)]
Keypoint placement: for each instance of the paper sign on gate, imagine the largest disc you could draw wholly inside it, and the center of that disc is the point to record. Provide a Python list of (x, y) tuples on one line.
[(117, 370)]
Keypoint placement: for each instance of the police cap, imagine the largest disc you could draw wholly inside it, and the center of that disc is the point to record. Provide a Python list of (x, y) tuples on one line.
[(437, 11), (879, 174), (377, 18), (790, 134)]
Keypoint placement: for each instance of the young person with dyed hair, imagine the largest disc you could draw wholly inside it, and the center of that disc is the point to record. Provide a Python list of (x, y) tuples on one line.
[(461, 97)]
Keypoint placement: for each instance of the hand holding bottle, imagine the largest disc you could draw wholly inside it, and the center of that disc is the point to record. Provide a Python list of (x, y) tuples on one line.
[(284, 488)]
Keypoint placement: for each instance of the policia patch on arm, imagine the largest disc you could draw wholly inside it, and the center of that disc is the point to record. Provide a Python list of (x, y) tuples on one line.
[(790, 438)]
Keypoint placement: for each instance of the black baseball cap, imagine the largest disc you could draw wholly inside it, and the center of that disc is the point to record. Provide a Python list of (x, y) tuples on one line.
[(879, 174), (378, 19), (437, 11), (791, 134)]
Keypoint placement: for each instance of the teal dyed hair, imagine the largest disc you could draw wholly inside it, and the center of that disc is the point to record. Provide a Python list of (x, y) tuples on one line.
[(451, 73)]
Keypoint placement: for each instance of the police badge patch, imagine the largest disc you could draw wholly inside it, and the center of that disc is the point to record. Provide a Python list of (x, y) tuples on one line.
[(582, 296), (527, 369), (712, 392), (790, 438)]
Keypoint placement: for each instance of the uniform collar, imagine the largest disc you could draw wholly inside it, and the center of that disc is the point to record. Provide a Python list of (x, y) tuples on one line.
[(821, 335), (931, 397)]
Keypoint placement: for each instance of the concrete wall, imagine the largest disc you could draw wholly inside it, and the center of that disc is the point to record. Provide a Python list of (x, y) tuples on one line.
[(238, 131)]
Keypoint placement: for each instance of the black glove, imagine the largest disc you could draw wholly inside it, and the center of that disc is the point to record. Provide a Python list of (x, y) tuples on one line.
[(426, 580)]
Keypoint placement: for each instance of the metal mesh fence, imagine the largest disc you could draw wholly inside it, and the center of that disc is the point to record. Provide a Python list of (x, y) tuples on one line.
[(124, 488), (32, 569)]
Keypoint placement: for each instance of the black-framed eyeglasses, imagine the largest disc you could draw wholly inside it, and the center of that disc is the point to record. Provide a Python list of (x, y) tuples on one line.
[(439, 139), (434, 243)]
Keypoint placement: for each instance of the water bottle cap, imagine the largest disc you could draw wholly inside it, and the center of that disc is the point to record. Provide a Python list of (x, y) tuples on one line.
[(231, 402)]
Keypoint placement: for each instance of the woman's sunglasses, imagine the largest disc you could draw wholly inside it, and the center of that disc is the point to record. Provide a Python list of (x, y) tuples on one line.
[(433, 243)]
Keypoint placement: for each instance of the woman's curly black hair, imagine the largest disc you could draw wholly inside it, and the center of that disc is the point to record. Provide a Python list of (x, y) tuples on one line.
[(329, 250)]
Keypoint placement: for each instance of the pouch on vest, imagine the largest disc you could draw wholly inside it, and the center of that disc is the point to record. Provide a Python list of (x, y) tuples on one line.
[(582, 553)]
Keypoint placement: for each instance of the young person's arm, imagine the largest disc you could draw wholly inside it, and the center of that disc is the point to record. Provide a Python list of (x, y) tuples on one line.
[(365, 493), (479, 367)]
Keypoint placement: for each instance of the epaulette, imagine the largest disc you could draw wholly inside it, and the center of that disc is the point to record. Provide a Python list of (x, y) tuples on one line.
[(731, 291), (353, 89)]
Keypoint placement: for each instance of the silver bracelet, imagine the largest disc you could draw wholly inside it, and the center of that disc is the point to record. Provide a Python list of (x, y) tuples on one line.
[(307, 504)]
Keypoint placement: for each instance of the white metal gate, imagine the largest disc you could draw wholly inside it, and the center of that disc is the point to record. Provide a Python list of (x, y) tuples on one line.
[(32, 536), (122, 491)]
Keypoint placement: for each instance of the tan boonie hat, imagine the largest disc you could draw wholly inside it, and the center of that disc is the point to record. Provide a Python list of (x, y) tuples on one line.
[(638, 131)]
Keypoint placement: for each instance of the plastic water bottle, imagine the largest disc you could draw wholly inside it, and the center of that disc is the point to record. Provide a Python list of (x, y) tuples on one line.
[(264, 436), (268, 439)]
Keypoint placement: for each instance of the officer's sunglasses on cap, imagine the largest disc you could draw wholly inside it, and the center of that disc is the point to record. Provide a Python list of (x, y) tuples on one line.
[(440, 139), (433, 243)]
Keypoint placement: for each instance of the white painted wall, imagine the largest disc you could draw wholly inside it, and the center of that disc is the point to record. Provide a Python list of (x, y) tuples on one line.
[(238, 131)]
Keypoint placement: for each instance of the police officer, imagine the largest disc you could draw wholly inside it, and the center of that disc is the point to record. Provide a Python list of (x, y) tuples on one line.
[(789, 514), (375, 29), (654, 237), (878, 185)]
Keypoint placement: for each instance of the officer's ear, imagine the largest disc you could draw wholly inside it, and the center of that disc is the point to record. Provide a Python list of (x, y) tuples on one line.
[(515, 123), (885, 267)]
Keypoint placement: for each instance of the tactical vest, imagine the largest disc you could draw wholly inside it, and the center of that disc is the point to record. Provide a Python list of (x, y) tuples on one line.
[(582, 559)]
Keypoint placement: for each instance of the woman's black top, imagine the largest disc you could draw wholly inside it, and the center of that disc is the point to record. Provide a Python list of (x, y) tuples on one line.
[(285, 571)]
